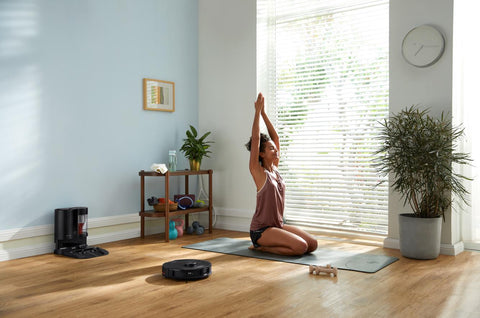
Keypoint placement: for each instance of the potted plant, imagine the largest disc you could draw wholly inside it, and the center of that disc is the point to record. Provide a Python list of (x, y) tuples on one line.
[(195, 148), (418, 151)]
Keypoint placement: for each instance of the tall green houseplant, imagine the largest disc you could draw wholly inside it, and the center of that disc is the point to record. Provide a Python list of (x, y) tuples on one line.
[(418, 152), (195, 148)]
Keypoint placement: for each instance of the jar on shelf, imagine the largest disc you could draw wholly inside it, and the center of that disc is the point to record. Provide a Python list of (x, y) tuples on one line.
[(172, 160)]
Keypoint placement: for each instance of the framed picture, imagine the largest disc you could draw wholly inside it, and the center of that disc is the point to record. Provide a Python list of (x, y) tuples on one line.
[(158, 95)]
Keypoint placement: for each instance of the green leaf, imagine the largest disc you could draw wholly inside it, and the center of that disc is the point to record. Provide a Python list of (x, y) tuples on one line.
[(194, 131)]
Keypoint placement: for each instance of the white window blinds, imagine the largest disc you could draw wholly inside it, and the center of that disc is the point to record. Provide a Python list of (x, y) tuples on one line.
[(323, 66)]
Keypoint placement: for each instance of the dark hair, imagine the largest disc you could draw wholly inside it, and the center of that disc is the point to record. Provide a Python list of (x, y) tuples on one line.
[(263, 141)]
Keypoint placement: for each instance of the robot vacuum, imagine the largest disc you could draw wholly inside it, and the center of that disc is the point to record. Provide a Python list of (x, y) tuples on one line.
[(187, 269)]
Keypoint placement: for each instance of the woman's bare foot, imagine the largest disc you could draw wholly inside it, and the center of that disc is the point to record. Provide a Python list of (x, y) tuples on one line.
[(260, 248)]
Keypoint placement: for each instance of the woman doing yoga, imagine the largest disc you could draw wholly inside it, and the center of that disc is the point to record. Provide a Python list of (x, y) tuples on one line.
[(267, 230)]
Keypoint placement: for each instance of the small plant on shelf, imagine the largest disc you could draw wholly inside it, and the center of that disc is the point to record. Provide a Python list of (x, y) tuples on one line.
[(195, 148)]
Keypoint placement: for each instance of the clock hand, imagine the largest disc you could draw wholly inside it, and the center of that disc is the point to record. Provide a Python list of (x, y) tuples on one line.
[(421, 47)]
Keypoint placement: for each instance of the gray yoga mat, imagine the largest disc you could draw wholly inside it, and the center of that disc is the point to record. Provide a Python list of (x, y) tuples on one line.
[(360, 262)]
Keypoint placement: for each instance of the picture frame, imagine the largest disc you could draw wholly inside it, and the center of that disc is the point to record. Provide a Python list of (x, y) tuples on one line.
[(158, 95)]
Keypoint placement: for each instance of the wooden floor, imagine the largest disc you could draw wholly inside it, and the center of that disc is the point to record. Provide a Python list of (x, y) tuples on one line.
[(128, 283)]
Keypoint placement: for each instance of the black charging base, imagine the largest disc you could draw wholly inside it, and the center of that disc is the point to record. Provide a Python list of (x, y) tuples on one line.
[(71, 234), (81, 252)]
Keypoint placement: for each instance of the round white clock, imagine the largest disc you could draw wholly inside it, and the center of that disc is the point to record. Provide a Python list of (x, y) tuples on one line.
[(423, 46)]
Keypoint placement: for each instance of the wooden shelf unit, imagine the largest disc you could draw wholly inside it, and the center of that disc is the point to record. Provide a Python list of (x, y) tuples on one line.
[(167, 214)]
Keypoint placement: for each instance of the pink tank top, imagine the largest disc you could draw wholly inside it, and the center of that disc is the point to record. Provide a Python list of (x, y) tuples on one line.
[(270, 202)]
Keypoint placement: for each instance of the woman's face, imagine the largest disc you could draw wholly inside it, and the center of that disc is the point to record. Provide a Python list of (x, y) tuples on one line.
[(270, 154)]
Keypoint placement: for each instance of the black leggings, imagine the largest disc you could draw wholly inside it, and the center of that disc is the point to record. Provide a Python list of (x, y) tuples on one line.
[(256, 235)]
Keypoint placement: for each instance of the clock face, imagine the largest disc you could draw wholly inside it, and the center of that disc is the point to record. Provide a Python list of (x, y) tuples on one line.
[(423, 46)]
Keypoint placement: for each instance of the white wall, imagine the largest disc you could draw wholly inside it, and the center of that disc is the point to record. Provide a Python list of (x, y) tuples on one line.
[(429, 87), (227, 91)]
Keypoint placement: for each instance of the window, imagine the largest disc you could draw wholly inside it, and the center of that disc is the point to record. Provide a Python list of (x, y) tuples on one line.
[(323, 66), (466, 68)]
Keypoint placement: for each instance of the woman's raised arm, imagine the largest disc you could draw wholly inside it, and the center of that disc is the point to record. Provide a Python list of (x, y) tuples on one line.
[(255, 166)]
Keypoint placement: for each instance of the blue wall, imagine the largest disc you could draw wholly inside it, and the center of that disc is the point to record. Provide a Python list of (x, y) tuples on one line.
[(72, 127)]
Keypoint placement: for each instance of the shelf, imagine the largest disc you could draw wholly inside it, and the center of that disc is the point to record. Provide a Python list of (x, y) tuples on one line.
[(172, 173), (157, 214), (169, 214)]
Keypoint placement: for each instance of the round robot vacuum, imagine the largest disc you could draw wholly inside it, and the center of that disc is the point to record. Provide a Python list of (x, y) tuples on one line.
[(187, 269)]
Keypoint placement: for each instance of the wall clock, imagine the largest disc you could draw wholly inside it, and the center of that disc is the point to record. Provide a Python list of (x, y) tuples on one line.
[(423, 46)]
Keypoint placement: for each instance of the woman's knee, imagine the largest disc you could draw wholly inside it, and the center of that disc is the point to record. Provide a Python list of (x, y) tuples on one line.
[(300, 247), (312, 245)]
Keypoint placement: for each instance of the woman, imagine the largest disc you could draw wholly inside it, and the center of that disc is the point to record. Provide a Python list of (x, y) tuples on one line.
[(267, 231)]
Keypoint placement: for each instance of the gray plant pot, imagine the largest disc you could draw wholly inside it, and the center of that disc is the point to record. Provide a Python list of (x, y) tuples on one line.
[(419, 237)]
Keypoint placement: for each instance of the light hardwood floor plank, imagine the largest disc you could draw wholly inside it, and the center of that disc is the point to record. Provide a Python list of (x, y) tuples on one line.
[(129, 283)]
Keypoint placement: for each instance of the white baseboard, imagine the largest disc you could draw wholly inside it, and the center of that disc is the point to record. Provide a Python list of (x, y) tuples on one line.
[(47, 248), (26, 232), (452, 249), (112, 237), (445, 249), (391, 243), (24, 242), (26, 251), (472, 245), (233, 219)]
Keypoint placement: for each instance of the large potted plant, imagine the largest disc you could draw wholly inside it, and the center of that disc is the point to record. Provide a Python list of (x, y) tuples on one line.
[(418, 152), (195, 148)]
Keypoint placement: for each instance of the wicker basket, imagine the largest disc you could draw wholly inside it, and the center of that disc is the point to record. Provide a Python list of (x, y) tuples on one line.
[(161, 207)]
